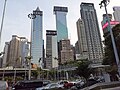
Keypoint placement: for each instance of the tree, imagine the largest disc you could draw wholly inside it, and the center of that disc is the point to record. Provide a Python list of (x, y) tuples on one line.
[(109, 57), (83, 69)]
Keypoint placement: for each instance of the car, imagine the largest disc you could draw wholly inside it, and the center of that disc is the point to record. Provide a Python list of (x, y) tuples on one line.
[(4, 85), (79, 83), (28, 85), (90, 82), (68, 85), (50, 86), (62, 82)]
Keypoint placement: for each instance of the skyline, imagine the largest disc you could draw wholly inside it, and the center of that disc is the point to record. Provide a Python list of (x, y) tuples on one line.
[(16, 23)]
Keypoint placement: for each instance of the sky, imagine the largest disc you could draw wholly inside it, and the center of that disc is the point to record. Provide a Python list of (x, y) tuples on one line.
[(16, 21)]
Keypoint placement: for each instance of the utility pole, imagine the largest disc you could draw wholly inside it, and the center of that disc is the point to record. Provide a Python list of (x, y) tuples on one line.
[(29, 60), (2, 19), (105, 3), (31, 16)]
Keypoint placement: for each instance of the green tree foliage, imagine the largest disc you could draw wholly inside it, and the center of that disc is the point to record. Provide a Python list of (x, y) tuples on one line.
[(109, 57), (83, 69)]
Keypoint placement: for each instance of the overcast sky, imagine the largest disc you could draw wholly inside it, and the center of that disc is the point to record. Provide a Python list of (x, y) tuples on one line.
[(16, 21)]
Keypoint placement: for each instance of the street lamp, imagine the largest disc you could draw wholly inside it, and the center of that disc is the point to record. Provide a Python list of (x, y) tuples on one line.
[(29, 59), (105, 3), (31, 16)]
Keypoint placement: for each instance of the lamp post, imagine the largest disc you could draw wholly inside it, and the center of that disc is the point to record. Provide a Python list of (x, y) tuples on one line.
[(2, 19), (31, 16), (29, 59), (105, 3)]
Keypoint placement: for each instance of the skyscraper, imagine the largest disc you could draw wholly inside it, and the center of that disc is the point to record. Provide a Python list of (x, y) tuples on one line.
[(65, 51), (116, 13), (82, 41), (104, 21), (15, 51), (5, 56), (51, 49), (37, 37), (61, 22), (92, 33)]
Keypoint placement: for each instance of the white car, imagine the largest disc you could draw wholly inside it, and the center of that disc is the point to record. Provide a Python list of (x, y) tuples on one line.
[(49, 86), (3, 85)]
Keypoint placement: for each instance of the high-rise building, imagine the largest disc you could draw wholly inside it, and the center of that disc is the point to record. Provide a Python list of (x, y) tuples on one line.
[(51, 49), (116, 13), (104, 21), (5, 56), (65, 51), (77, 51), (82, 41), (15, 52), (25, 50), (92, 33), (37, 38), (61, 22)]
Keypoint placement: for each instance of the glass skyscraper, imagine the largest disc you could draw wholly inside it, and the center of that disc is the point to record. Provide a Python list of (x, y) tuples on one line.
[(37, 37), (61, 23)]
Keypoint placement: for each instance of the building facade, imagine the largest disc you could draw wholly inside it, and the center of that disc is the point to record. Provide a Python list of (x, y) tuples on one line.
[(5, 56), (66, 53), (82, 40), (15, 52), (37, 37), (61, 22), (92, 33), (51, 49), (104, 21), (116, 13)]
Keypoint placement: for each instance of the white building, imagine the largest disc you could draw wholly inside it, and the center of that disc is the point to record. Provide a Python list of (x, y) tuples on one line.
[(116, 13)]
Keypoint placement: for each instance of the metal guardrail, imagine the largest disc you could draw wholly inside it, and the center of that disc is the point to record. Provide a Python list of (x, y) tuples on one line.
[(7, 68)]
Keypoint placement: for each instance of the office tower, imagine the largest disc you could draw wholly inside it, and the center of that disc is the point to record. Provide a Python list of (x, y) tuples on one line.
[(77, 51), (73, 49), (105, 23), (5, 56), (37, 38), (82, 41), (16, 51), (61, 22), (25, 50), (66, 53), (92, 33), (51, 49), (116, 13)]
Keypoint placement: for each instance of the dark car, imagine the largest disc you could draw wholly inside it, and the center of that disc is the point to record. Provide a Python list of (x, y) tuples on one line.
[(90, 82), (29, 84)]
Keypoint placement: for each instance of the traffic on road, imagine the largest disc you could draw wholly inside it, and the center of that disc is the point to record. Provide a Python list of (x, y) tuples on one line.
[(47, 85)]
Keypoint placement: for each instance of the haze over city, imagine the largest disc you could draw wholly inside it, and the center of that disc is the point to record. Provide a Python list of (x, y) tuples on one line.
[(16, 21), (59, 44)]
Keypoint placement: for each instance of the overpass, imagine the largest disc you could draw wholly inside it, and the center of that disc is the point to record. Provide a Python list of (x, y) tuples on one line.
[(9, 71)]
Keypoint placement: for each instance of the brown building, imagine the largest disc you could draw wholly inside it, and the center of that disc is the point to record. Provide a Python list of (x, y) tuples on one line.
[(16, 52), (65, 51)]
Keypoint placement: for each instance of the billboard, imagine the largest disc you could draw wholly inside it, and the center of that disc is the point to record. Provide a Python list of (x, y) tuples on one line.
[(111, 23)]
